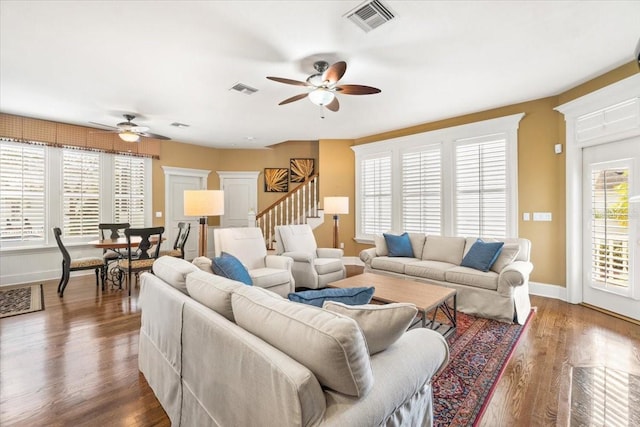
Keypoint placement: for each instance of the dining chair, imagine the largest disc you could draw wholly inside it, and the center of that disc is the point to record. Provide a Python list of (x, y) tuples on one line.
[(112, 231), (181, 239), (147, 252), (78, 264)]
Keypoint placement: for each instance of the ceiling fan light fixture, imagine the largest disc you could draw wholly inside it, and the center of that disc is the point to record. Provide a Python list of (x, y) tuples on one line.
[(129, 136), (321, 96)]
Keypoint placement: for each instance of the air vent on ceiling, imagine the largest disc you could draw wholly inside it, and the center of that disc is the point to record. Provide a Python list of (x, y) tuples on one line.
[(370, 15), (243, 88)]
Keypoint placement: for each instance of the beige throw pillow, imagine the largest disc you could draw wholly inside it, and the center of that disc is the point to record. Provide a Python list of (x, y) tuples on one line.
[(382, 324), (328, 344), (509, 253)]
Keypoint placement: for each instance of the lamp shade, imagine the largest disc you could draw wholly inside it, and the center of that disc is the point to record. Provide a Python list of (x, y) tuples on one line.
[(336, 205), (203, 202)]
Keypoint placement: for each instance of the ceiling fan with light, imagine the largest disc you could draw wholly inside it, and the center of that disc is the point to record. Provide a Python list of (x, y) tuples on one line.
[(323, 86), (131, 132)]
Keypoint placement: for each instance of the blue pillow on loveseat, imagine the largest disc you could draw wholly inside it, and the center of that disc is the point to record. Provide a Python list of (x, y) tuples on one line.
[(349, 296), (230, 267)]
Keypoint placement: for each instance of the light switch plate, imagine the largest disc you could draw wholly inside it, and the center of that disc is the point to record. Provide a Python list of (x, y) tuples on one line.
[(158, 214), (526, 216), (557, 148), (542, 216)]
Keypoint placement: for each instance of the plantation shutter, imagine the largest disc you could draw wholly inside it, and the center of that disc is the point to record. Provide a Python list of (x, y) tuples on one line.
[(375, 185), (22, 192), (129, 190), (481, 187), (610, 226), (81, 193), (422, 191)]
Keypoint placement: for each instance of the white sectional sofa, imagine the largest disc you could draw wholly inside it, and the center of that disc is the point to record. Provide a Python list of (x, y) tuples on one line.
[(501, 293), (219, 353)]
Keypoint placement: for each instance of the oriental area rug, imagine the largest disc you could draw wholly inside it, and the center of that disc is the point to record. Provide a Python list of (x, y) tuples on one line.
[(16, 300), (479, 352)]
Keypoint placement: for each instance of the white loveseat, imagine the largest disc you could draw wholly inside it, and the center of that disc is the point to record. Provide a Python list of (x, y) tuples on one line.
[(501, 293), (222, 361)]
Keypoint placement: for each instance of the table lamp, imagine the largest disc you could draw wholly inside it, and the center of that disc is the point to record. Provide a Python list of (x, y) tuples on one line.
[(203, 203), (335, 206)]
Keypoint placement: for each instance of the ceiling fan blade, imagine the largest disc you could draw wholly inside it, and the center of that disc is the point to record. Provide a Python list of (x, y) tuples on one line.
[(294, 98), (333, 105), (153, 135), (104, 126), (288, 81), (335, 72), (357, 90)]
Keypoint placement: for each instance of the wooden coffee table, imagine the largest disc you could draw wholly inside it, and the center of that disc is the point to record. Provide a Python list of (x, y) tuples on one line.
[(426, 297)]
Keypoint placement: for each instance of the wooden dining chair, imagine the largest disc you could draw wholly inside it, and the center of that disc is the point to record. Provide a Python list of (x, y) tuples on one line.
[(112, 231), (69, 265), (148, 251), (181, 240)]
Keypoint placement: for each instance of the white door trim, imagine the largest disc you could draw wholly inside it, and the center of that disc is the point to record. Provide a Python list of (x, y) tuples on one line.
[(573, 112)]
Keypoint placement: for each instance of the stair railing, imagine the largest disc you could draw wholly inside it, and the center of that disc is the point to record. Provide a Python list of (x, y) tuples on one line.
[(292, 208)]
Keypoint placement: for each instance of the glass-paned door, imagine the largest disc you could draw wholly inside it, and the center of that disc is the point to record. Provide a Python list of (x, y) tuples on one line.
[(610, 279)]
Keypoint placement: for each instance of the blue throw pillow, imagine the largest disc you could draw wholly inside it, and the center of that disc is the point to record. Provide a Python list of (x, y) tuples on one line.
[(230, 267), (349, 296), (482, 255), (398, 245)]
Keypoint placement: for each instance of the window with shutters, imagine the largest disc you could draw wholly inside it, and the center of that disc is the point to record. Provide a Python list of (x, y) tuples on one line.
[(422, 190), (375, 192), (42, 187), (80, 193), (459, 181), (481, 187), (22, 193), (129, 190)]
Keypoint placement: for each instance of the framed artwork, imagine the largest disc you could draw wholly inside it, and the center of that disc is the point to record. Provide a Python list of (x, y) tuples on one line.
[(276, 180), (301, 169)]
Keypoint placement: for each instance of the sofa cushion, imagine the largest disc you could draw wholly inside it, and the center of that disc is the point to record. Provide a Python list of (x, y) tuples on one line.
[(230, 267), (381, 324), (398, 246), (174, 271), (213, 291), (507, 256), (472, 277), (203, 263), (482, 255), (428, 269), (444, 249), (393, 264), (350, 296), (332, 346)]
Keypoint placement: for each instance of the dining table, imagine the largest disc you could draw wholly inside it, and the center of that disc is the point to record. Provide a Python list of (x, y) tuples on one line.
[(115, 275)]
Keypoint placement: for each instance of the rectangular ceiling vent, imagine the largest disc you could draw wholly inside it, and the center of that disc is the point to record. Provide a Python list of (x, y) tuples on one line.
[(243, 88), (370, 15)]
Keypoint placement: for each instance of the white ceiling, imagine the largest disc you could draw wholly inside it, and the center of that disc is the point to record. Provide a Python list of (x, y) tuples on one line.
[(174, 61)]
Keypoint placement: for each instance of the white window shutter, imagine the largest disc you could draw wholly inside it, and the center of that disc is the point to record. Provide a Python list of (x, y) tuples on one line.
[(129, 190), (422, 190), (81, 193), (375, 187), (481, 187), (22, 192)]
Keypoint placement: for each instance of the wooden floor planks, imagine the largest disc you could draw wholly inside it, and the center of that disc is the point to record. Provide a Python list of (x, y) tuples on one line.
[(75, 363)]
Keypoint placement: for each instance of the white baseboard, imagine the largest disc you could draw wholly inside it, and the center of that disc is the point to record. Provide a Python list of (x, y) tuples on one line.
[(548, 290), (39, 276)]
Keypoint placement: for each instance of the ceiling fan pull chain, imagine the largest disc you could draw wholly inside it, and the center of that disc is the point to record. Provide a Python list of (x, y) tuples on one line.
[(322, 111)]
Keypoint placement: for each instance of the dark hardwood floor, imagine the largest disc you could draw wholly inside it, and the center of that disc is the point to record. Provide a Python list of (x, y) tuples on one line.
[(75, 363)]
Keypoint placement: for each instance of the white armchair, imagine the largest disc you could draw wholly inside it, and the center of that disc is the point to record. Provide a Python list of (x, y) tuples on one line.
[(313, 267), (247, 244)]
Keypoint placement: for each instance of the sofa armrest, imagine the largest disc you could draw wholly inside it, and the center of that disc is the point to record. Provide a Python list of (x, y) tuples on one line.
[(329, 253), (278, 261), (513, 275), (367, 255), (299, 256)]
